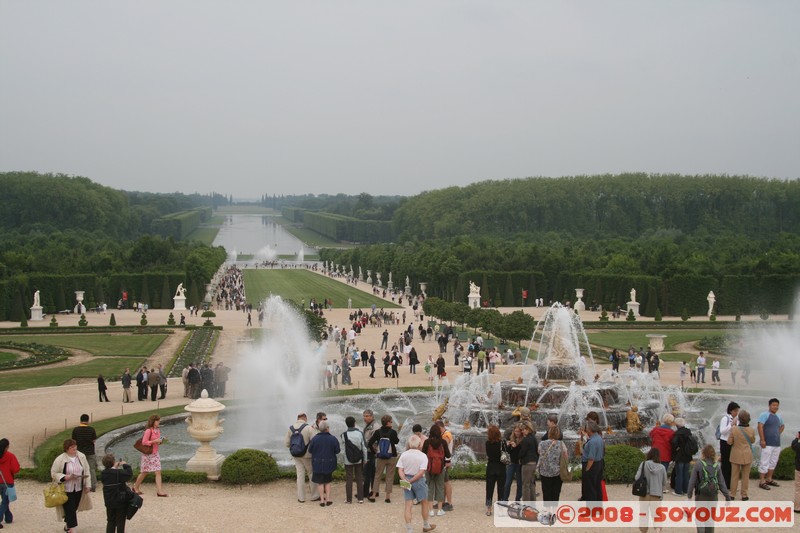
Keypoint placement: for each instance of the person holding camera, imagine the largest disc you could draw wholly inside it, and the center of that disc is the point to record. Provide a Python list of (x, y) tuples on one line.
[(116, 474)]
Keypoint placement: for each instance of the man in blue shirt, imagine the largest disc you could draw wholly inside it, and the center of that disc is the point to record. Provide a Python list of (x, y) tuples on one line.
[(592, 463), (770, 427)]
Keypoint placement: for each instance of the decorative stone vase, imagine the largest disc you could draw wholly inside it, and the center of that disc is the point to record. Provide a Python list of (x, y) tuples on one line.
[(204, 425), (579, 305)]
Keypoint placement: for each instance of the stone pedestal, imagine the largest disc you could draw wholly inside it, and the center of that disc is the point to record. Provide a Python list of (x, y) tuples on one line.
[(36, 313), (656, 342), (180, 303), (474, 301), (635, 307), (204, 425)]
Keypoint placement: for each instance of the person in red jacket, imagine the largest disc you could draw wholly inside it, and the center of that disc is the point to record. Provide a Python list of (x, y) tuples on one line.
[(661, 439), (8, 467)]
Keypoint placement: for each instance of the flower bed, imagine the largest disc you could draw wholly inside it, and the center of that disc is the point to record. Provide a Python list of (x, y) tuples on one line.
[(39, 354), (197, 348)]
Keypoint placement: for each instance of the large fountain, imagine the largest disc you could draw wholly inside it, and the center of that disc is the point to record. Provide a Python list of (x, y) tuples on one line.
[(562, 381), (278, 376)]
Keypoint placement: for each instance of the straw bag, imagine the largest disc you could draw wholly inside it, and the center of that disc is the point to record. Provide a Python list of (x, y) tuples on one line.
[(563, 464), (55, 495)]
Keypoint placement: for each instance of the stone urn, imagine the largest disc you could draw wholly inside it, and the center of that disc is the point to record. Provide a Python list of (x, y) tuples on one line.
[(579, 305), (204, 425)]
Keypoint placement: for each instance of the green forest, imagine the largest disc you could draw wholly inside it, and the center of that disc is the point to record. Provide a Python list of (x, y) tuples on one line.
[(59, 234), (673, 238)]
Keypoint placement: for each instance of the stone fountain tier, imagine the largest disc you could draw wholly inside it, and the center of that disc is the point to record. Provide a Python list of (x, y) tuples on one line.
[(564, 373), (554, 394), (475, 438)]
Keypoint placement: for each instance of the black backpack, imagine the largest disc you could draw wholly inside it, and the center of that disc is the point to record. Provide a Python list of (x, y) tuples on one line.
[(690, 446), (297, 444), (640, 483), (352, 450)]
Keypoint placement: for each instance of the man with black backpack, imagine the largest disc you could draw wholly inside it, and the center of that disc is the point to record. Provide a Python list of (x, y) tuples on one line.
[(355, 453), (684, 446), (297, 438), (384, 441)]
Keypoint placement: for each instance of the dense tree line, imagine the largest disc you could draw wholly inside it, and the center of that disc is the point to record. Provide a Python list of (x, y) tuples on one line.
[(60, 234), (672, 237), (626, 205), (746, 274), (32, 201), (363, 206)]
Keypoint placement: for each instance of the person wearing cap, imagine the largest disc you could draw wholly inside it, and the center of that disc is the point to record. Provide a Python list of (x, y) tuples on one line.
[(303, 464)]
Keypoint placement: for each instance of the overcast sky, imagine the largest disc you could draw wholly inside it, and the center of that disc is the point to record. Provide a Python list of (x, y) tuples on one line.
[(395, 97)]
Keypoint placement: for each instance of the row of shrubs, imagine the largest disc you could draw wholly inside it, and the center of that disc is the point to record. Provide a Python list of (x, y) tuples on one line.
[(253, 467), (250, 467)]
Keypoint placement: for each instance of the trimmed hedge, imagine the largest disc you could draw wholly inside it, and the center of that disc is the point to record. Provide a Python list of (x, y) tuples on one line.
[(248, 467), (621, 462), (785, 468)]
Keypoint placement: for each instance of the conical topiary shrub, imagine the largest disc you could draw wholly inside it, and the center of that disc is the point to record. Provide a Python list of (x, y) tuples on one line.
[(53, 322), (112, 321)]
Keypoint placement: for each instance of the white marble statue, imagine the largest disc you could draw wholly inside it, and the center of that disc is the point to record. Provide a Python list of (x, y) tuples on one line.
[(36, 300), (711, 299), (633, 295), (474, 289), (180, 292), (408, 282)]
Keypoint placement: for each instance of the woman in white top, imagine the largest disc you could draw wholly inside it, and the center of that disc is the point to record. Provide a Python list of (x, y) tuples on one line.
[(725, 426), (72, 469)]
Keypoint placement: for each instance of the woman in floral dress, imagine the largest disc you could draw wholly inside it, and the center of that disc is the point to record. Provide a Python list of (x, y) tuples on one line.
[(151, 462)]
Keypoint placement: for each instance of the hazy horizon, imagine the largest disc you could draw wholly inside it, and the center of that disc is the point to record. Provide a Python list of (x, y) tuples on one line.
[(251, 98)]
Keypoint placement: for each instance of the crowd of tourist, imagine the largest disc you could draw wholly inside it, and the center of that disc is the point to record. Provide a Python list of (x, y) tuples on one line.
[(371, 456)]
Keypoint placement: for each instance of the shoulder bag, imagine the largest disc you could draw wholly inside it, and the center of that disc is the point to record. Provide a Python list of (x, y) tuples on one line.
[(11, 492), (147, 450), (563, 464), (746, 437), (505, 457), (55, 495), (640, 482)]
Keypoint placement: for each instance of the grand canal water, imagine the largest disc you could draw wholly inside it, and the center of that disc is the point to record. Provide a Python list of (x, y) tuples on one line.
[(259, 236)]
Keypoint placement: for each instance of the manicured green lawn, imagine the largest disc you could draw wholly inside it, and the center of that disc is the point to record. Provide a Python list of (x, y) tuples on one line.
[(312, 238), (299, 284), (50, 377), (98, 343), (6, 357), (623, 339), (204, 234)]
